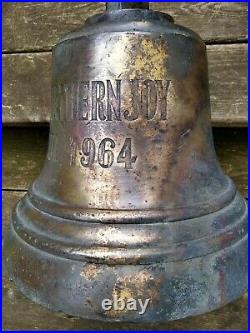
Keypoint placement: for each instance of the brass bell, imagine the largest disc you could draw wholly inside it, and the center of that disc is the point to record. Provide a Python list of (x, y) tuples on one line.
[(131, 218)]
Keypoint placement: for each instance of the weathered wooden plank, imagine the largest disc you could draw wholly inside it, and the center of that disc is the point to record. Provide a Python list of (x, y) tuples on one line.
[(38, 25), (231, 149), (31, 316), (9, 200), (26, 86), (24, 152), (228, 84)]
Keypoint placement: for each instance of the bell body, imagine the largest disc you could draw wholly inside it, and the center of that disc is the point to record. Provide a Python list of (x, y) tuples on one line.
[(131, 202)]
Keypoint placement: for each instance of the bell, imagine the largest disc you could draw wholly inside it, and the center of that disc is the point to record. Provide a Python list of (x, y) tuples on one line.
[(132, 218)]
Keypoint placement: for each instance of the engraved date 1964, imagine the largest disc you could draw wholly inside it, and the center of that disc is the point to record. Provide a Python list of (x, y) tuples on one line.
[(104, 153)]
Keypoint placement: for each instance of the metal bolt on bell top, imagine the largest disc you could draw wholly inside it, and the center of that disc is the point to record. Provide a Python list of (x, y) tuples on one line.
[(131, 204)]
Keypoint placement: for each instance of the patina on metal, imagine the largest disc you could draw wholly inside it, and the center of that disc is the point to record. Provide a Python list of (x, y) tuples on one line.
[(131, 202)]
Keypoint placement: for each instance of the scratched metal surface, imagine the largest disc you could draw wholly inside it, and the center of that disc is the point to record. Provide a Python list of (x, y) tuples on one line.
[(32, 316)]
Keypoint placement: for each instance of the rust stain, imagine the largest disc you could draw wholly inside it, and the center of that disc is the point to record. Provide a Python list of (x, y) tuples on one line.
[(90, 271), (133, 56), (150, 58)]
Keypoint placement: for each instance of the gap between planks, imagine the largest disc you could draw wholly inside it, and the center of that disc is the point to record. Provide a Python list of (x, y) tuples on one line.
[(48, 50)]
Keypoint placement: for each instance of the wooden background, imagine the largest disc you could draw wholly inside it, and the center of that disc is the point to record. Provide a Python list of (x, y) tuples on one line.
[(29, 32)]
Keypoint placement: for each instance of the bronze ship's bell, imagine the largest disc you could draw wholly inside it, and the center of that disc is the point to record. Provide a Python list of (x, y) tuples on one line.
[(131, 203)]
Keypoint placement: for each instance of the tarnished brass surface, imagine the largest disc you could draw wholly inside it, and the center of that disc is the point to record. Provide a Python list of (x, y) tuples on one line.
[(131, 202)]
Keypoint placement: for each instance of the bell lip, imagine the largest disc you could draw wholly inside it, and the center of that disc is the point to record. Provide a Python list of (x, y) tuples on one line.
[(73, 287), (134, 243)]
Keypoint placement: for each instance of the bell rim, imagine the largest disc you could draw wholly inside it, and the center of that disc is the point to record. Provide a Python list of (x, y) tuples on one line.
[(206, 282)]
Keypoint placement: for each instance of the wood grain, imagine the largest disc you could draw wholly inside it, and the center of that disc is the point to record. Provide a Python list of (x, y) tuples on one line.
[(26, 86), (232, 151), (24, 152), (228, 84), (39, 25), (31, 316)]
